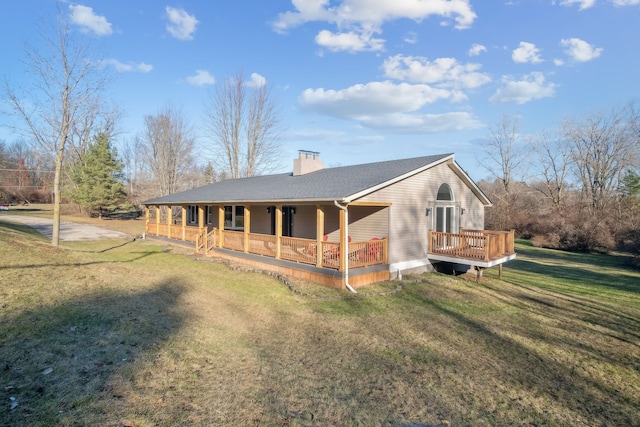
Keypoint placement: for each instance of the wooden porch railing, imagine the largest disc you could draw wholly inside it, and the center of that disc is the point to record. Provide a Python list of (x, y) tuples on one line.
[(233, 240), (262, 244), (361, 254), (482, 245)]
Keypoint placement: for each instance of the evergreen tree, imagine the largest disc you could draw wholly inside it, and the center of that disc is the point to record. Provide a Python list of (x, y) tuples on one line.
[(631, 185), (97, 176)]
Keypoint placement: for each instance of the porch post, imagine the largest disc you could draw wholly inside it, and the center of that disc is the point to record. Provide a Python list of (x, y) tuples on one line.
[(319, 234), (184, 221), (169, 221), (200, 217), (343, 240), (146, 218), (220, 226), (247, 227), (278, 230), (157, 220)]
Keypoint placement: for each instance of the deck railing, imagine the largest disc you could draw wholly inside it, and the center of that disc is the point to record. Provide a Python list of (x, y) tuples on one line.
[(262, 244), (233, 240), (361, 254), (483, 245)]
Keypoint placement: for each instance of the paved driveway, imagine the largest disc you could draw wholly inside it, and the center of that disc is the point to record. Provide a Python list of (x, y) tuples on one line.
[(69, 231)]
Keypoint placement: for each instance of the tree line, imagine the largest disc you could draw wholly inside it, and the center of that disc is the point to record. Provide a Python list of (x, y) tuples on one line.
[(574, 188), (69, 132)]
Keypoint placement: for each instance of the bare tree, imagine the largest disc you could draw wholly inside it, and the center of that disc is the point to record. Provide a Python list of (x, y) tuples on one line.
[(132, 153), (169, 149), (603, 147), (503, 158), (66, 80), (553, 161), (243, 128)]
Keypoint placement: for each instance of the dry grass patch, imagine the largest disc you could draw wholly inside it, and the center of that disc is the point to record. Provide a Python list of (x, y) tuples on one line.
[(137, 334)]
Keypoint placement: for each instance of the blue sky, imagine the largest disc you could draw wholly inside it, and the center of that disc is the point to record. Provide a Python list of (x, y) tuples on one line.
[(358, 80)]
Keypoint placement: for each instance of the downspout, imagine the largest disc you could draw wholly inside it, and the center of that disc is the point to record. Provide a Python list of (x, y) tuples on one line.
[(346, 245)]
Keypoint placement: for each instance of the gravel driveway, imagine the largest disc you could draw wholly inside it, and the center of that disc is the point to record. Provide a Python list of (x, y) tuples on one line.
[(69, 231)]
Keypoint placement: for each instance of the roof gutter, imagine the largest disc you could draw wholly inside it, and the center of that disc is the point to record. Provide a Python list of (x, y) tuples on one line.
[(346, 245)]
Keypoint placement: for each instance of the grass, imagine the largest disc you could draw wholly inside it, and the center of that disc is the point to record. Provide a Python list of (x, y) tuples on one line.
[(120, 333)]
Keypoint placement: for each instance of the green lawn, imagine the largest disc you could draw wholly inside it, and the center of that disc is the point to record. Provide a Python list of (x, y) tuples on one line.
[(134, 333)]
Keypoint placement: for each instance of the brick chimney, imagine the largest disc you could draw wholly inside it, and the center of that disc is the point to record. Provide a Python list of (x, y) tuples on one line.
[(307, 162)]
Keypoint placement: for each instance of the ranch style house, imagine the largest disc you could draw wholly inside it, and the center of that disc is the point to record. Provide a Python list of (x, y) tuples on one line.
[(344, 227)]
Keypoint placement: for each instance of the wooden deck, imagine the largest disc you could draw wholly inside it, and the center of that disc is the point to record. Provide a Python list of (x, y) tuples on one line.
[(478, 248)]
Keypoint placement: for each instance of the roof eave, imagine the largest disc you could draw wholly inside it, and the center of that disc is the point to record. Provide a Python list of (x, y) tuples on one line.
[(360, 194)]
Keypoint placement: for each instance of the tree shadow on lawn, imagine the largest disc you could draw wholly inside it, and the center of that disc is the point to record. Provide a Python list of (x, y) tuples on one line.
[(624, 280), (57, 361), (534, 372), (527, 249), (21, 228)]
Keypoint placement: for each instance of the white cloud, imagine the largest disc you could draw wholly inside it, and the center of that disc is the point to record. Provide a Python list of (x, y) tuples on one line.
[(129, 67), (423, 123), (357, 20), (389, 106), (626, 2), (89, 21), (352, 41), (371, 99), (580, 50), (558, 62), (256, 81), (411, 38), (530, 87), (477, 49), (583, 4), (444, 72), (181, 25), (527, 52), (201, 78)]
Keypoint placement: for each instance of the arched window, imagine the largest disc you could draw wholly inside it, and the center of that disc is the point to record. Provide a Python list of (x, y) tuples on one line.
[(445, 193), (446, 218)]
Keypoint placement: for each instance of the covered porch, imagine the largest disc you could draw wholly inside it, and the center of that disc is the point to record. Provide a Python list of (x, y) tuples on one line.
[(268, 234)]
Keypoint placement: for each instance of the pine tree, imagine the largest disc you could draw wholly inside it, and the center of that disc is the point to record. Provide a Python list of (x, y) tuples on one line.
[(97, 176)]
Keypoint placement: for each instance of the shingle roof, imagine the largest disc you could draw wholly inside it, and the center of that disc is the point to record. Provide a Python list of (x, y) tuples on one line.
[(324, 185)]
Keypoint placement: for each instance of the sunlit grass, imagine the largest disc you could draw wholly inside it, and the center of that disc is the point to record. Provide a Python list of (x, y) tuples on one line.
[(138, 333)]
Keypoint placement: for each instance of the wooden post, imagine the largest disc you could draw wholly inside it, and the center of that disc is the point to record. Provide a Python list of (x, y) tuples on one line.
[(278, 231), (500, 271), (169, 221), (220, 226), (247, 227), (486, 248), (319, 235), (184, 221), (157, 220), (200, 217), (146, 218)]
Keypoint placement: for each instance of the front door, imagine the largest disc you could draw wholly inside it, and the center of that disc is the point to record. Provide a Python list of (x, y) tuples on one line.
[(287, 220)]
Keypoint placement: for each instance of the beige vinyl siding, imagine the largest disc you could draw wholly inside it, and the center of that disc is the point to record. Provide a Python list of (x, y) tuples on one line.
[(214, 218), (367, 222), (304, 222), (260, 219), (410, 198), (332, 223)]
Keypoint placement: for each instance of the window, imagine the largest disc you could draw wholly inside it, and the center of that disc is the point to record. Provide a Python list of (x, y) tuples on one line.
[(234, 217), (208, 214), (446, 211), (192, 215), (445, 193)]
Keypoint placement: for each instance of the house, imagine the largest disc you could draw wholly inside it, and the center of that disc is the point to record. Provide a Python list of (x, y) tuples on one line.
[(344, 226)]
